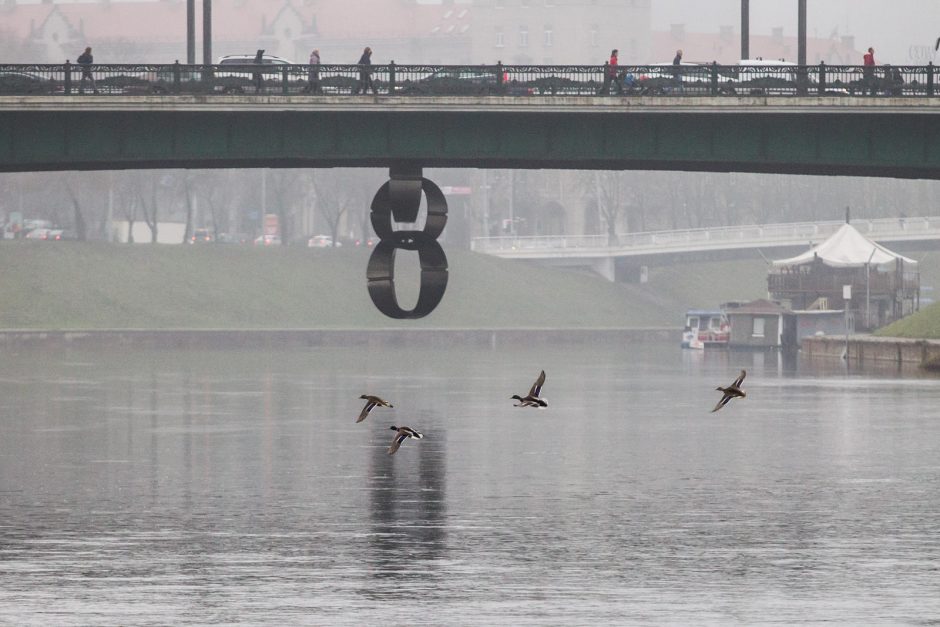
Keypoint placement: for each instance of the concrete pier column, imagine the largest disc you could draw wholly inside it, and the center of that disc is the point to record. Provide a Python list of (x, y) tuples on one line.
[(605, 267)]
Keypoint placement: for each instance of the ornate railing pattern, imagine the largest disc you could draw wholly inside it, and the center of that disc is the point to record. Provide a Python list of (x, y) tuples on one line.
[(776, 79), (717, 238)]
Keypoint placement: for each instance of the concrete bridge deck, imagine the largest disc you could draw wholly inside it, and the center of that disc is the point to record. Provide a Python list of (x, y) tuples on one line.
[(840, 135)]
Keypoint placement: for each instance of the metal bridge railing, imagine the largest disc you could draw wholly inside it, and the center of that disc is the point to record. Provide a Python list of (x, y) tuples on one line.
[(687, 80), (708, 238)]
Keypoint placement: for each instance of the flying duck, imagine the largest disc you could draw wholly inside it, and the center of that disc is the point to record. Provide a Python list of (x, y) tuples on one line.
[(371, 401), (732, 391), (532, 398), (402, 434)]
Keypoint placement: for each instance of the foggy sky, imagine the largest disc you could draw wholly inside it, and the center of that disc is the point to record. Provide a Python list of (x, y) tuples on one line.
[(901, 31)]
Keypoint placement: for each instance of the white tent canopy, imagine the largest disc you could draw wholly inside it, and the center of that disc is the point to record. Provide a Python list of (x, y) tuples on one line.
[(846, 248)]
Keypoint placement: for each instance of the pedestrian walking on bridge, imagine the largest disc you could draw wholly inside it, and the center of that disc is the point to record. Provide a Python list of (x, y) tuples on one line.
[(86, 60), (868, 71), (365, 73), (610, 75), (313, 73)]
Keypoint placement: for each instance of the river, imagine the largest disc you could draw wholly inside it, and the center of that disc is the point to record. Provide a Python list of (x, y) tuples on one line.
[(153, 487)]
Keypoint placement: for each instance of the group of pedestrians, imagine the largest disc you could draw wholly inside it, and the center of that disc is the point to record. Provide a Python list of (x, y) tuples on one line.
[(86, 60), (365, 73), (614, 81)]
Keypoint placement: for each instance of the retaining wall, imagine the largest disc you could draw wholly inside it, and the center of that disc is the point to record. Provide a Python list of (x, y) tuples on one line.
[(868, 348), (225, 338)]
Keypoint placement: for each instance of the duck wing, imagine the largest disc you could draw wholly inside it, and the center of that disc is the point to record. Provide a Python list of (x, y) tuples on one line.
[(537, 386), (365, 411), (724, 401), (740, 379), (399, 438)]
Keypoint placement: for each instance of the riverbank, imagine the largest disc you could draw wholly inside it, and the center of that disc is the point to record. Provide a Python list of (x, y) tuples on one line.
[(274, 338), (864, 349), (80, 286), (65, 290)]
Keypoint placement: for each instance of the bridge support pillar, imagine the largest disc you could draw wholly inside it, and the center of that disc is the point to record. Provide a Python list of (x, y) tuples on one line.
[(606, 267)]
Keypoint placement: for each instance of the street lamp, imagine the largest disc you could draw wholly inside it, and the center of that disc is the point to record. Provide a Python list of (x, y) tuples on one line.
[(846, 297), (868, 289)]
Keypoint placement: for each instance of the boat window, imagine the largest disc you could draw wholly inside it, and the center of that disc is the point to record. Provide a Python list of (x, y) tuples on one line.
[(693, 322)]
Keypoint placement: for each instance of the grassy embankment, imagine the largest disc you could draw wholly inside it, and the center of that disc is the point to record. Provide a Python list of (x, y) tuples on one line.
[(925, 324), (72, 285)]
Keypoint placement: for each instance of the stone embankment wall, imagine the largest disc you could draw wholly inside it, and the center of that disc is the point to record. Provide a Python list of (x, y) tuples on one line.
[(224, 338), (868, 349)]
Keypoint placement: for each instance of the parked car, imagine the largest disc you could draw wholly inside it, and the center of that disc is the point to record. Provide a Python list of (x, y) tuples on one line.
[(42, 234), (12, 82), (191, 81), (201, 236), (322, 241), (464, 81), (268, 240), (237, 72), (665, 78)]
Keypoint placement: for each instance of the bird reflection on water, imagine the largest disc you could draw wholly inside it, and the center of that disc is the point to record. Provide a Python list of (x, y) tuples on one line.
[(408, 511)]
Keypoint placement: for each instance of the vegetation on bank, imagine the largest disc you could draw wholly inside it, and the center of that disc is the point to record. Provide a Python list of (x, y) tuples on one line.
[(925, 324), (75, 285)]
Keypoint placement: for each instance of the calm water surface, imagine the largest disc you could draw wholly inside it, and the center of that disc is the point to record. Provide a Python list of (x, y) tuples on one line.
[(161, 487)]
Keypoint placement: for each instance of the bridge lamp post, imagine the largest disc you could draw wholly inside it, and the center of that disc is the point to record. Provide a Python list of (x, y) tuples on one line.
[(868, 289)]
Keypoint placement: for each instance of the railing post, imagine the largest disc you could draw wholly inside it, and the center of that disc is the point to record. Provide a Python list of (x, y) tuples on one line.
[(176, 76), (930, 78), (499, 73), (714, 78), (284, 79), (821, 88), (68, 77), (391, 77)]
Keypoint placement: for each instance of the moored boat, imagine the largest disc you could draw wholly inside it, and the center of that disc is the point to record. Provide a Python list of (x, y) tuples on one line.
[(705, 327)]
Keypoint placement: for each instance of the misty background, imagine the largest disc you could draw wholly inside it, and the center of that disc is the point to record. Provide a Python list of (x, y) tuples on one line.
[(496, 202)]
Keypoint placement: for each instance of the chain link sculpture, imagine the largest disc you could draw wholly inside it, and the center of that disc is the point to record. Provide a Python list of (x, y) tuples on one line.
[(400, 199)]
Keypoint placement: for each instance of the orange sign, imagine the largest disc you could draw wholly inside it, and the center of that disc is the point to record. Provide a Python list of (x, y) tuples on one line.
[(271, 225)]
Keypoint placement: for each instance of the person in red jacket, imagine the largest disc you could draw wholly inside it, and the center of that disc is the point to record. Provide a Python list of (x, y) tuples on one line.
[(868, 71), (611, 75)]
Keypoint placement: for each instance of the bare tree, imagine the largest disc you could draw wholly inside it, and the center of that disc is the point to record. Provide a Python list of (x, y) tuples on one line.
[(78, 217), (147, 201), (344, 193), (608, 192)]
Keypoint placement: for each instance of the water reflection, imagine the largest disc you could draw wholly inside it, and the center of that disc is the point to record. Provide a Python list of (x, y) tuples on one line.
[(408, 506)]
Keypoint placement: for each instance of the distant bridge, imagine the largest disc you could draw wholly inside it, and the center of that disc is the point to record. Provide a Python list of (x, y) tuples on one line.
[(635, 249)]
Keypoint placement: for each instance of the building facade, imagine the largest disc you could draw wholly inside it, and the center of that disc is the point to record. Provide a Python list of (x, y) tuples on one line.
[(548, 32)]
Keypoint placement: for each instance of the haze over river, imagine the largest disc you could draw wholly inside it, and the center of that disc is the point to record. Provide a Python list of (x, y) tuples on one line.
[(144, 486)]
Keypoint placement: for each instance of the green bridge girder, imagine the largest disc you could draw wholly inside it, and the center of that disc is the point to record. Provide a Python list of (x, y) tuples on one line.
[(816, 135)]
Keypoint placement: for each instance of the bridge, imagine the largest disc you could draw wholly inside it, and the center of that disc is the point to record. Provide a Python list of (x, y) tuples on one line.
[(631, 250), (803, 120), (821, 120)]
